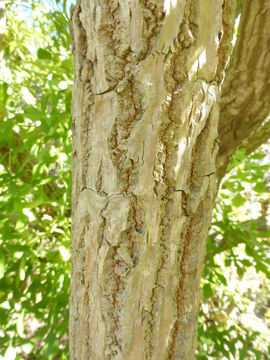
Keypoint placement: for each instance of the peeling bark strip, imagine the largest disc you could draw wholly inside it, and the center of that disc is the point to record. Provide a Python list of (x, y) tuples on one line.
[(145, 121)]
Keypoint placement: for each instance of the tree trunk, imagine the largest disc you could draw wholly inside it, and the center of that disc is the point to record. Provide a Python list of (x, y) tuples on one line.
[(145, 127)]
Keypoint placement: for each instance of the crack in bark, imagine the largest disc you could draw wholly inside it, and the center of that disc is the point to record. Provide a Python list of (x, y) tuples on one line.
[(130, 111), (104, 194), (153, 19), (119, 54), (112, 30), (225, 46), (111, 88), (84, 74), (98, 184), (158, 280), (120, 260), (180, 290), (84, 284), (194, 212), (174, 78), (113, 289)]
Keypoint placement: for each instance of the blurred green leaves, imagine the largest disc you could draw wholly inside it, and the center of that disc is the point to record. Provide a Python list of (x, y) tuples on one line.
[(35, 181), (236, 275)]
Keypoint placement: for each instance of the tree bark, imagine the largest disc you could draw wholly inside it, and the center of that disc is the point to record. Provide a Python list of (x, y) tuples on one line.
[(146, 102), (245, 101)]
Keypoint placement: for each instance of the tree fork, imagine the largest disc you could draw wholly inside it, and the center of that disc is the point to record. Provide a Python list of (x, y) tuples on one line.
[(146, 108)]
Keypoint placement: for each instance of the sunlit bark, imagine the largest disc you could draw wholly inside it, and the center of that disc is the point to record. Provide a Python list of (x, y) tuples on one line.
[(145, 137)]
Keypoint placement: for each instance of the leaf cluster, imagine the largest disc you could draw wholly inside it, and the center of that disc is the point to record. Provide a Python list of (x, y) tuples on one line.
[(35, 181), (236, 275)]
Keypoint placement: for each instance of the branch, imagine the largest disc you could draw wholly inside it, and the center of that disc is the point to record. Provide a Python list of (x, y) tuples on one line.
[(260, 136), (245, 98)]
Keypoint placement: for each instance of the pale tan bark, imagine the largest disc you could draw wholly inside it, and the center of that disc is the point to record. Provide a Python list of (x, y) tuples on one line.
[(145, 127)]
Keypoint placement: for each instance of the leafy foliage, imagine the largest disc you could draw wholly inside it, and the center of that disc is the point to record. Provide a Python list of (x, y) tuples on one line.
[(35, 182), (237, 267)]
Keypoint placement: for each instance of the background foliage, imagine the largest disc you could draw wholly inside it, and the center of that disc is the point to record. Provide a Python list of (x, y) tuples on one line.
[(235, 314), (35, 182)]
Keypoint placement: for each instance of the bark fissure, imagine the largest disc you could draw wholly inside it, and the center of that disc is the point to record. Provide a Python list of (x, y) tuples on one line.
[(153, 16), (169, 128), (119, 263), (117, 59), (85, 74), (164, 182), (180, 290), (114, 287), (193, 212), (227, 33)]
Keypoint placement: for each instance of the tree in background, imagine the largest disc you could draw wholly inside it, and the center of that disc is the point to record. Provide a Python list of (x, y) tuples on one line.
[(157, 116), (35, 148)]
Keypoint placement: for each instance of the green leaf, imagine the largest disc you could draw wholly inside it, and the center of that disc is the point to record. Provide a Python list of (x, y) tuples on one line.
[(259, 187), (47, 180), (240, 271), (221, 278), (207, 291), (6, 132), (238, 200), (44, 54), (51, 344), (33, 113)]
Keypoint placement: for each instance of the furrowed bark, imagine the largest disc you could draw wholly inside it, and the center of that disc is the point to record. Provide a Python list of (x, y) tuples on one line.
[(145, 121), (245, 101)]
